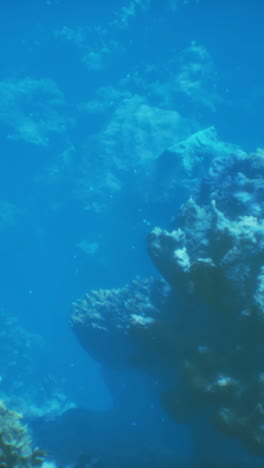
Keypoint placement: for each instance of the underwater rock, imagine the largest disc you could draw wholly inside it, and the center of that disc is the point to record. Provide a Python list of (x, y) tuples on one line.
[(215, 261), (209, 325), (137, 133), (212, 256), (235, 181), (15, 444), (183, 164), (120, 156)]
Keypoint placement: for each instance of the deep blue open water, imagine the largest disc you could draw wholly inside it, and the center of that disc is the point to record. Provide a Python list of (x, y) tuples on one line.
[(91, 94)]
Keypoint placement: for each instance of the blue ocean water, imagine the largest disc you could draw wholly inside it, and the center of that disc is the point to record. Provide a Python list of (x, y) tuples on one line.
[(91, 94)]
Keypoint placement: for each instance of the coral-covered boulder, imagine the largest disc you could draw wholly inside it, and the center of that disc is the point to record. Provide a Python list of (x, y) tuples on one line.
[(214, 258), (209, 324)]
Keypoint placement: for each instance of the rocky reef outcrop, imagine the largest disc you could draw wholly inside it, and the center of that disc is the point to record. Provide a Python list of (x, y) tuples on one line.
[(214, 258), (208, 324)]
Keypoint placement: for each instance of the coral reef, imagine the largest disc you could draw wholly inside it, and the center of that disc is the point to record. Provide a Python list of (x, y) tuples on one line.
[(47, 104), (182, 165), (209, 324), (120, 156), (216, 264), (215, 260), (105, 321), (24, 385), (15, 444)]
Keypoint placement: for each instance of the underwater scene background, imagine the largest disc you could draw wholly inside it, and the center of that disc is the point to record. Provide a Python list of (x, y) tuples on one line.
[(132, 233)]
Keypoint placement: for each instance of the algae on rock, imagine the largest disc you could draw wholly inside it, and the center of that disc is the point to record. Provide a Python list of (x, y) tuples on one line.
[(15, 443)]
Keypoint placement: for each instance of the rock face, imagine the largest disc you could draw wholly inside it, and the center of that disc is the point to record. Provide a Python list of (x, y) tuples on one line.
[(209, 323)]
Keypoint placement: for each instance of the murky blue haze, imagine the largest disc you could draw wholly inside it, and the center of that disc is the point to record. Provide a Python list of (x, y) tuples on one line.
[(91, 93)]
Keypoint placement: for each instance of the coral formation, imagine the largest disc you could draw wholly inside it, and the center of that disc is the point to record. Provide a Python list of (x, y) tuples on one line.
[(47, 104), (24, 387), (217, 265), (182, 165), (15, 444), (209, 324), (214, 259), (106, 320), (121, 155)]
